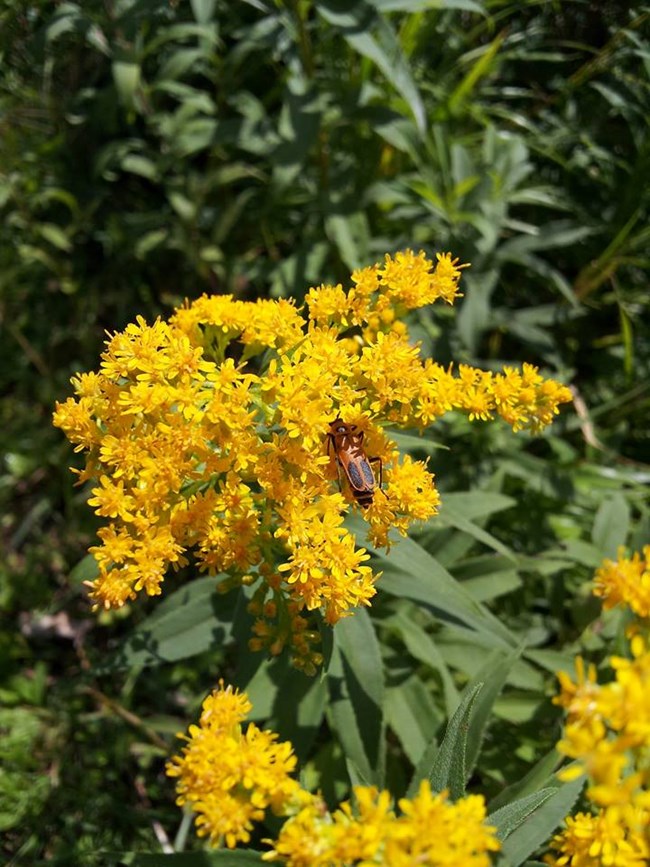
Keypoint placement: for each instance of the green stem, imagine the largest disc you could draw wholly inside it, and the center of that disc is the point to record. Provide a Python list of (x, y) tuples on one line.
[(183, 829)]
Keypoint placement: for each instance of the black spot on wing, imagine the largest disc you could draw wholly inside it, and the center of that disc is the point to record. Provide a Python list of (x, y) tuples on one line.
[(356, 479), (367, 473)]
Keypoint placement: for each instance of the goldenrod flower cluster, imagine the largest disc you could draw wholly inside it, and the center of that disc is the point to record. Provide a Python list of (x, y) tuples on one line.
[(430, 831), (230, 778), (626, 582), (607, 732), (190, 450)]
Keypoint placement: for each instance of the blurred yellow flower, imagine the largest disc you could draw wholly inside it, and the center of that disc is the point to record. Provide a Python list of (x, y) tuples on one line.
[(607, 733), (429, 831), (626, 582), (600, 841)]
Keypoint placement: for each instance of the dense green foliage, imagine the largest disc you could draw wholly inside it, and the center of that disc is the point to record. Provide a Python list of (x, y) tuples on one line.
[(153, 150)]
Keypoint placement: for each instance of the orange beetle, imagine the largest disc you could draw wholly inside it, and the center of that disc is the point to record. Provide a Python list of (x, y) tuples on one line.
[(346, 440)]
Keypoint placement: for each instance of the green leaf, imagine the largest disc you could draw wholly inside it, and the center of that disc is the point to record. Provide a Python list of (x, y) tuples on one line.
[(373, 37), (611, 525), (351, 235), (287, 701), (30, 253), (458, 752), (538, 827), (85, 570), (139, 165), (491, 679), (423, 5), (423, 647), (230, 216), (477, 504), (190, 621), (551, 660), (510, 817), (410, 443), (126, 75), (178, 33), (402, 134), (517, 709), (299, 123), (423, 767), (450, 515), (412, 715), (184, 207), (483, 65), (562, 233), (538, 777), (68, 17), (583, 552), (194, 136), (410, 571), (488, 577), (56, 236), (356, 689), (181, 61), (203, 10), (150, 241), (476, 313), (448, 605), (449, 769)]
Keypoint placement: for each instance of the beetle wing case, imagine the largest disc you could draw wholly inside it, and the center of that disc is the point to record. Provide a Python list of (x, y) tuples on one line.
[(347, 444)]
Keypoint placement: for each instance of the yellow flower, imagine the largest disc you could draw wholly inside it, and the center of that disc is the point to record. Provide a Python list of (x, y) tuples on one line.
[(600, 840), (332, 305), (229, 536), (327, 571), (228, 777), (77, 420), (407, 279), (190, 454), (390, 372), (608, 728), (111, 500), (607, 732), (266, 323), (429, 831), (411, 495), (625, 582)]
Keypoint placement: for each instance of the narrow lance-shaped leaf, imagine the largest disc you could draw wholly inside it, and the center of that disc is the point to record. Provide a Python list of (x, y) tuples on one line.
[(540, 825), (449, 769), (372, 36), (412, 715), (510, 817), (423, 647), (356, 688), (539, 776), (611, 525), (191, 620), (410, 571), (491, 678)]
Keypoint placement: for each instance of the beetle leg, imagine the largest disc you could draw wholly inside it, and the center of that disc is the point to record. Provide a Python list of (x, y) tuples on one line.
[(338, 473), (330, 446)]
